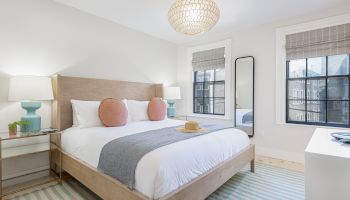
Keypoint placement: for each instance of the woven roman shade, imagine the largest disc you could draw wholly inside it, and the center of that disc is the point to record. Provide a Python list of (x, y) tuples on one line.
[(334, 40), (209, 59)]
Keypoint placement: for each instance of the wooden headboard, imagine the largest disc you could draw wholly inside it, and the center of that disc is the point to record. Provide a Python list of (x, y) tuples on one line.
[(67, 88)]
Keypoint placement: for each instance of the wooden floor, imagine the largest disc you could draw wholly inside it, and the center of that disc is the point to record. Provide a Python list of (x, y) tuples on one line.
[(267, 182), (280, 163)]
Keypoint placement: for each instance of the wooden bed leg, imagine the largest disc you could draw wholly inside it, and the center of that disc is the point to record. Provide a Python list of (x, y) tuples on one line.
[(252, 166)]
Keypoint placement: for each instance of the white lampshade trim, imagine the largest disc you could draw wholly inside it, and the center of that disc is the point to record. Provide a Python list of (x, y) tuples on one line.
[(30, 88)]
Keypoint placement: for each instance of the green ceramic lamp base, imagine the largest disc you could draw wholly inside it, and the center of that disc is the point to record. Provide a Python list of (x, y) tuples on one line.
[(31, 117)]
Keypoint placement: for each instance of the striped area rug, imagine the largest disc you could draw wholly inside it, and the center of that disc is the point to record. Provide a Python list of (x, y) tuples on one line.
[(267, 183)]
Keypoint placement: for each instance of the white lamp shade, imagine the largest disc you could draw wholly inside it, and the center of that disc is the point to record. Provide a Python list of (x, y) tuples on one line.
[(172, 93), (30, 88)]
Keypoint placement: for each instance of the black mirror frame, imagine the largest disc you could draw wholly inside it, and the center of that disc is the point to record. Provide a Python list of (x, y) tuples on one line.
[(253, 132)]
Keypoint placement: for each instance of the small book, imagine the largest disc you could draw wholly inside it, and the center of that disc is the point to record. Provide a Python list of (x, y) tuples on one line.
[(48, 130), (342, 136)]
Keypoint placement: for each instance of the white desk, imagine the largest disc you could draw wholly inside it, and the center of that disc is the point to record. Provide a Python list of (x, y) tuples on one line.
[(327, 167)]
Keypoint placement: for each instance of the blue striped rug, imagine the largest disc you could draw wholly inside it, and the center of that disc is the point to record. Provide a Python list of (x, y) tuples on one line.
[(267, 183)]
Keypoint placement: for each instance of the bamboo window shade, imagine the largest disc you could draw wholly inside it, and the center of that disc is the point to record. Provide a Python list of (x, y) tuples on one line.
[(209, 59), (334, 40)]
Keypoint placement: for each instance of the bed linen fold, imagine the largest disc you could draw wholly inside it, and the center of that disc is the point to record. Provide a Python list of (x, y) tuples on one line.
[(119, 157)]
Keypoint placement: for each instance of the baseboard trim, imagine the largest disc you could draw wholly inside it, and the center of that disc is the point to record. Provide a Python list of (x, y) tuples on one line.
[(279, 154)]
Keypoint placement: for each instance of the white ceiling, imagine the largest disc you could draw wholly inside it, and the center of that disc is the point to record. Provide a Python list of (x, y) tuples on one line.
[(150, 16)]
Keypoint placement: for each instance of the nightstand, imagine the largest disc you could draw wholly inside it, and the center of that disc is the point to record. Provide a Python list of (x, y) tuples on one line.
[(19, 152)]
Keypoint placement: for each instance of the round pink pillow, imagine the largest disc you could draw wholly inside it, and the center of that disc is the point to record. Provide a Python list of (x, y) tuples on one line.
[(156, 109), (113, 112)]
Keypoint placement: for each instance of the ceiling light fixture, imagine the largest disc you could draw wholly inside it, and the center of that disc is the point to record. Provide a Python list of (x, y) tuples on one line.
[(192, 17)]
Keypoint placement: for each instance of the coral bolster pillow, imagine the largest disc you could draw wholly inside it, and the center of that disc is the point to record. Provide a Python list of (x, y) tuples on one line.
[(156, 109), (113, 112)]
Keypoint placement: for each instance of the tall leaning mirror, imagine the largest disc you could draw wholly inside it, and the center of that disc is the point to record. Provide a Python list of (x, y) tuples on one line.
[(244, 98)]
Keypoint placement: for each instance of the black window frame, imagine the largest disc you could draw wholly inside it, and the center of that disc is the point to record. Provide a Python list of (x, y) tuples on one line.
[(215, 82), (326, 77)]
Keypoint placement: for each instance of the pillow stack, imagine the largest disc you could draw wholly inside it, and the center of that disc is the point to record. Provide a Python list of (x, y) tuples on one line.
[(113, 112)]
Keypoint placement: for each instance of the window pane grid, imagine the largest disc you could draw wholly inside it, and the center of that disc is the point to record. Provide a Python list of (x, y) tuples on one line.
[(326, 93), (314, 100), (317, 77), (209, 93)]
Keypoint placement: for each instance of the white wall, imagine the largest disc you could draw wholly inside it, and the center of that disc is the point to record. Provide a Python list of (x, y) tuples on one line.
[(40, 37)]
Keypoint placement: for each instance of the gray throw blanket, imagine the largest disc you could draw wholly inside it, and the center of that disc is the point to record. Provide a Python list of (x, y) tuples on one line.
[(119, 157)]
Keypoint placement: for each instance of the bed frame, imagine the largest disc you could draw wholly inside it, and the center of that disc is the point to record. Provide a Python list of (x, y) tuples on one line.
[(67, 88)]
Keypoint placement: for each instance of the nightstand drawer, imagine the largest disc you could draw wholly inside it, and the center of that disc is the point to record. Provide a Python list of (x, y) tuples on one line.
[(24, 150)]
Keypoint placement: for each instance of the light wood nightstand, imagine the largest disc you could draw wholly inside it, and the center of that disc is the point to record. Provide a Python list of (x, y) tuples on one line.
[(18, 152)]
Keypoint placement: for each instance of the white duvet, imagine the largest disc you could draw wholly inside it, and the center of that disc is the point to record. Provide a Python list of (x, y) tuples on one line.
[(167, 168)]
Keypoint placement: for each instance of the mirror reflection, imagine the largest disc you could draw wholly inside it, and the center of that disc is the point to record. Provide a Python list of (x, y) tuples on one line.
[(244, 99)]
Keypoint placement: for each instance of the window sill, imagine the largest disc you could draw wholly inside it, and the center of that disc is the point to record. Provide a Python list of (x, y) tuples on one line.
[(310, 126)]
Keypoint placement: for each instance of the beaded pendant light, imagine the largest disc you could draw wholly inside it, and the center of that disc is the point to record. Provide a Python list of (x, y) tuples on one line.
[(192, 17)]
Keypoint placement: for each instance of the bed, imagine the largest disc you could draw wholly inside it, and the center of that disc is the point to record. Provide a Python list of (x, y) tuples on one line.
[(190, 169)]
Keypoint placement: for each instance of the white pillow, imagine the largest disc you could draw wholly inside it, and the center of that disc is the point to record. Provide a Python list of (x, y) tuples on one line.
[(138, 110), (166, 110), (125, 101), (75, 120), (86, 113)]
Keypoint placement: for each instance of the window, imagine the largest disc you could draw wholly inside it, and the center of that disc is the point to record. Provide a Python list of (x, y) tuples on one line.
[(209, 92), (209, 81), (317, 76), (318, 90)]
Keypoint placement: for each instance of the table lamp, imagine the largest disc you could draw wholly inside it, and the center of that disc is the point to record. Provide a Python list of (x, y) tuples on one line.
[(171, 94), (30, 90)]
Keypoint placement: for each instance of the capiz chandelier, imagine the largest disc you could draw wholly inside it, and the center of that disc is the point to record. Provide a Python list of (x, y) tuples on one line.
[(192, 17)]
